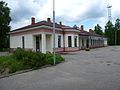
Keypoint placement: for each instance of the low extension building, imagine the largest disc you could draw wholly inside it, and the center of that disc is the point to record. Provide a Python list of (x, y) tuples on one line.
[(38, 36)]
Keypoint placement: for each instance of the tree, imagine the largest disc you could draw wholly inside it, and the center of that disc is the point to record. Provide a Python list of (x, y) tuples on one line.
[(98, 29), (4, 24), (75, 26), (117, 31), (110, 33)]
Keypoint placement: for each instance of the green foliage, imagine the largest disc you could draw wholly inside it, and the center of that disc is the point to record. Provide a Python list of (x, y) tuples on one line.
[(110, 33), (22, 59), (4, 24), (98, 29), (50, 58), (20, 54), (34, 60), (9, 64), (16, 66), (117, 31), (31, 59)]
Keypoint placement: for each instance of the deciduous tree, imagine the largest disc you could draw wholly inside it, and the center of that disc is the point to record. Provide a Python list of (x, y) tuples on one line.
[(4, 24)]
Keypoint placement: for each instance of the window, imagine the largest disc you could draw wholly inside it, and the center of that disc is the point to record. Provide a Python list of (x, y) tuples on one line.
[(75, 41), (82, 42), (59, 41), (69, 41), (23, 42)]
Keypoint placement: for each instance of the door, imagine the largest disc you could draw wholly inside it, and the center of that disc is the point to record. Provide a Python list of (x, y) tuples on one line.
[(37, 43)]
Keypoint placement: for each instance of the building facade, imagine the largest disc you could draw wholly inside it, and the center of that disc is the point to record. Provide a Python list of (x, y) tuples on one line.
[(39, 37)]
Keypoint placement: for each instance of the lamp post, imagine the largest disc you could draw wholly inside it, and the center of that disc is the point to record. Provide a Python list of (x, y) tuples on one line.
[(54, 31)]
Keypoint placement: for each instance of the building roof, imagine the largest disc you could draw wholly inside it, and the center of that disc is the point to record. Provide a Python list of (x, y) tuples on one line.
[(46, 23), (82, 32)]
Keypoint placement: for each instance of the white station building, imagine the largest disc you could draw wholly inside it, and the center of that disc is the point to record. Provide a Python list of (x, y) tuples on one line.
[(38, 36)]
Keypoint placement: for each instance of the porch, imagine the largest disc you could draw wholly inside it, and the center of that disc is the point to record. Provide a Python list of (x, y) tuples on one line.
[(43, 43)]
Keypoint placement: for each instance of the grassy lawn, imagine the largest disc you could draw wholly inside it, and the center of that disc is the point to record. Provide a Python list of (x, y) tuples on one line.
[(22, 60)]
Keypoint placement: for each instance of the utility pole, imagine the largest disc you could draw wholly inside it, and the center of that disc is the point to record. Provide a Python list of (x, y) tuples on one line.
[(54, 32)]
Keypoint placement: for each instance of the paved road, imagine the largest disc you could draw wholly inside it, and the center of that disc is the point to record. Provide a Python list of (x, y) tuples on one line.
[(98, 69), (3, 53)]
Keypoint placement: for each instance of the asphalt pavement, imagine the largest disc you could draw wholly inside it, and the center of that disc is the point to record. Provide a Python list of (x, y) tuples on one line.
[(97, 69)]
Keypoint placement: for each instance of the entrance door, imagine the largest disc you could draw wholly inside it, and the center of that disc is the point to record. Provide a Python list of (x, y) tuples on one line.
[(37, 43), (87, 43)]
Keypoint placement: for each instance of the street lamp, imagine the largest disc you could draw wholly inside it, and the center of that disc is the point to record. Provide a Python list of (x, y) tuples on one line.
[(54, 31)]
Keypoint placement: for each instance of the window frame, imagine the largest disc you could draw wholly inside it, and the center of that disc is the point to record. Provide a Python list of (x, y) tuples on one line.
[(75, 41), (23, 42), (59, 41), (69, 41)]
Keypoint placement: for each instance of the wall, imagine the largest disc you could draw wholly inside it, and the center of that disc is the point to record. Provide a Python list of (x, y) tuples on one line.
[(73, 48), (16, 41)]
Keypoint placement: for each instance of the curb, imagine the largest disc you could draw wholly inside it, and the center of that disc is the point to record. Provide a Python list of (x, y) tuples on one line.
[(28, 70), (23, 71)]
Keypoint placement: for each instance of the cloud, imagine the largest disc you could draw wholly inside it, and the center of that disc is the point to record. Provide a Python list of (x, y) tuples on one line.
[(69, 11), (21, 11)]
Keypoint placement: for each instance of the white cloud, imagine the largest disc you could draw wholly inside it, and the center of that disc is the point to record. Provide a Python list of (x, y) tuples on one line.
[(68, 11)]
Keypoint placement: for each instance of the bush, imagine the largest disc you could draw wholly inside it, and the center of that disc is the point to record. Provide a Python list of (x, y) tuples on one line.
[(22, 59), (4, 63), (16, 66), (34, 59), (50, 58), (20, 54), (29, 58), (11, 64), (4, 49)]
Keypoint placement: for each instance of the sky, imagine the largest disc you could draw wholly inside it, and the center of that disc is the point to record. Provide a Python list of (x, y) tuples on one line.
[(70, 12)]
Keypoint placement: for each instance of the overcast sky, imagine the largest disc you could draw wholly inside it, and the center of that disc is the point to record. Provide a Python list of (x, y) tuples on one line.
[(70, 12)]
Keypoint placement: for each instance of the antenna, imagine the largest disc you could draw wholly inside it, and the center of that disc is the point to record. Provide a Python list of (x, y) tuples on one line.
[(109, 12)]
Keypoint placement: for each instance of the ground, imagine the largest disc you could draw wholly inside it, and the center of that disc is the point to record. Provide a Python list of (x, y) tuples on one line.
[(4, 53), (97, 69)]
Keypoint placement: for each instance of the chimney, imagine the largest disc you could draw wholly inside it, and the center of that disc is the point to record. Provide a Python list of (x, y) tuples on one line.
[(60, 23), (32, 20), (82, 27), (90, 30), (48, 20)]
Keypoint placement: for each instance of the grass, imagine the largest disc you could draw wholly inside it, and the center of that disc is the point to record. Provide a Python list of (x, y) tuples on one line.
[(9, 64), (22, 60)]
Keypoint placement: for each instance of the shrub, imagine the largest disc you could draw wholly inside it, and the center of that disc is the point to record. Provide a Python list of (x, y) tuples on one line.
[(16, 66), (29, 58), (10, 64), (34, 59), (22, 59), (4, 63), (50, 58), (20, 54)]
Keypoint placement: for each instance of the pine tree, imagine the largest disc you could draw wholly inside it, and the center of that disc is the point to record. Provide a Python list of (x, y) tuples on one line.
[(110, 33), (117, 31), (98, 29)]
